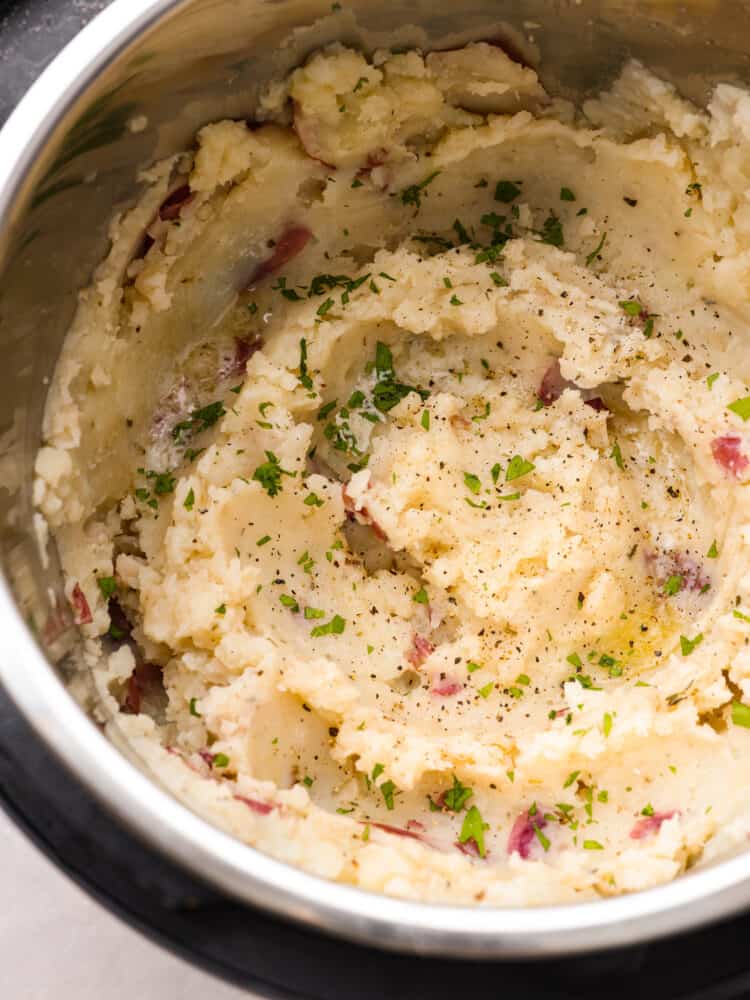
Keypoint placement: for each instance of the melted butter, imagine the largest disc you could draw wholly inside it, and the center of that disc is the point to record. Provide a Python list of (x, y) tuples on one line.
[(640, 642)]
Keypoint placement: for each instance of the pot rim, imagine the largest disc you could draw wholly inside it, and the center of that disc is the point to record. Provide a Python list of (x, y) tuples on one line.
[(157, 817)]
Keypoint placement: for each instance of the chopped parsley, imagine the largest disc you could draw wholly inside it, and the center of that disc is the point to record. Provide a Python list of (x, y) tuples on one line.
[(421, 596), (591, 257), (543, 840), (592, 845), (221, 610), (412, 195), (289, 602), (220, 760), (518, 467), (741, 714), (710, 379), (107, 585), (688, 645), (455, 301), (334, 627), (425, 419), (713, 552), (189, 500), (193, 710), (387, 392), (387, 789), (552, 231), (456, 797), (199, 420), (269, 475), (607, 724), (472, 483), (506, 192), (673, 585), (304, 375), (264, 540), (570, 779), (631, 307), (566, 194), (471, 666), (616, 453), (741, 407), (486, 691), (473, 828), (313, 500)]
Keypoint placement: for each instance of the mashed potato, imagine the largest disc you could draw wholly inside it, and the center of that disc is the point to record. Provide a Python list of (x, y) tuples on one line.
[(399, 475)]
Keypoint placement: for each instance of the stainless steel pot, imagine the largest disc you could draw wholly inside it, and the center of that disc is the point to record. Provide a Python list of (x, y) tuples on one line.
[(70, 154)]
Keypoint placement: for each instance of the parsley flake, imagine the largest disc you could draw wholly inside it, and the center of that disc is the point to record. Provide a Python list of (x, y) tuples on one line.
[(107, 585), (199, 420), (506, 192), (456, 797), (269, 475), (518, 467), (688, 645), (334, 627), (552, 231), (473, 829), (412, 195), (387, 789), (741, 714), (472, 482), (591, 257), (741, 407)]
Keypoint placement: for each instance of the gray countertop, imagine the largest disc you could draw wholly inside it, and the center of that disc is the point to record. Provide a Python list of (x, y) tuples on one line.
[(58, 944)]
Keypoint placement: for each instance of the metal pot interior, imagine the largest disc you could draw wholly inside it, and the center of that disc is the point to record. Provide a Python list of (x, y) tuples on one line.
[(71, 156)]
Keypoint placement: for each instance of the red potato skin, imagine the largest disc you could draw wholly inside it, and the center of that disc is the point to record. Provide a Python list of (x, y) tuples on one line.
[(145, 676), (362, 516), (648, 825), (262, 808), (470, 849), (727, 452), (421, 648), (80, 606), (292, 242), (398, 831), (447, 688), (522, 836), (553, 385), (174, 203)]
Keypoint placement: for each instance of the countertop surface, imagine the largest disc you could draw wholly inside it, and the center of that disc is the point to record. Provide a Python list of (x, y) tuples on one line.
[(58, 944)]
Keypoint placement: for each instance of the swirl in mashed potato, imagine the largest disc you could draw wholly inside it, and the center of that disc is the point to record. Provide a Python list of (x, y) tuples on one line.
[(399, 477)]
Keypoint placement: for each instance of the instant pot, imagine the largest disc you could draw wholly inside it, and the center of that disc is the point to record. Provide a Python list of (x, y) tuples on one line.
[(134, 86)]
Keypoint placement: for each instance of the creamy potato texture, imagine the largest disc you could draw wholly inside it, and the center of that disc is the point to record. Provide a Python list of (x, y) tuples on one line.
[(399, 476)]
